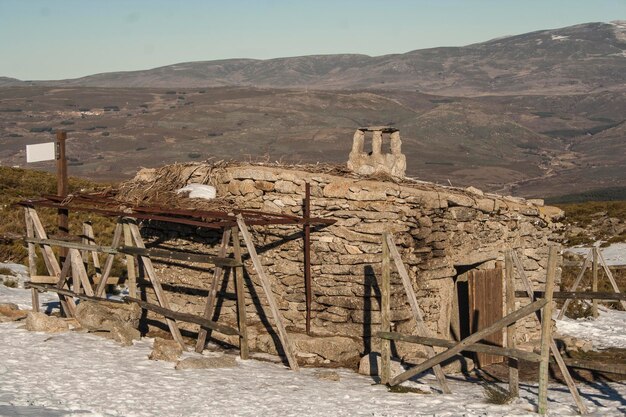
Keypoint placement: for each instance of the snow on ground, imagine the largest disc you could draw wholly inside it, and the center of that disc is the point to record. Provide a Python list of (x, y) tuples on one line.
[(81, 374), (606, 331), (615, 254)]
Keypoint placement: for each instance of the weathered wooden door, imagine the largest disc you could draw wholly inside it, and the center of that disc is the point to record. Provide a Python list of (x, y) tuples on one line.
[(485, 308)]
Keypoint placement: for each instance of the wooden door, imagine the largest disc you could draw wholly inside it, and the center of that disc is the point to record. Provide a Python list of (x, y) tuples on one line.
[(485, 308)]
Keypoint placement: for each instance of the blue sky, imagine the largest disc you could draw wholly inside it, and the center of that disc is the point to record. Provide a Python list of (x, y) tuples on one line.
[(56, 39)]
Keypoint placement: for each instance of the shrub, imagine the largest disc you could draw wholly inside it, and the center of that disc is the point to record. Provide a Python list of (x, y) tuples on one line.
[(11, 283), (494, 394), (6, 271)]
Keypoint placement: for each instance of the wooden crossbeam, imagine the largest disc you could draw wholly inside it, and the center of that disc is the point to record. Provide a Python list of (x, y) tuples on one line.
[(470, 340), (72, 245), (108, 263), (32, 259), (241, 301), (267, 289), (179, 256), (417, 312), (567, 295), (210, 304), (575, 284)]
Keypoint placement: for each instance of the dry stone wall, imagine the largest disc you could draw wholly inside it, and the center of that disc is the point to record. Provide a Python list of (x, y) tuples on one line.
[(439, 231)]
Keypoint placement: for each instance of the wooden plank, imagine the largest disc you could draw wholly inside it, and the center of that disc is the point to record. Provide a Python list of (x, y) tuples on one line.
[(156, 285), (69, 307), (511, 353), (553, 346), (609, 275), (511, 329), (32, 260), (470, 340), (210, 304), (267, 289), (189, 318), (79, 270), (179, 256), (574, 285), (108, 263), (91, 240), (417, 312), (546, 333), (130, 263), (566, 295), (241, 299), (72, 245), (477, 347), (385, 312)]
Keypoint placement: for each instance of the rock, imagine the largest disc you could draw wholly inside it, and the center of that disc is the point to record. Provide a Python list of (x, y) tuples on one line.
[(40, 322), (370, 365), (125, 334), (102, 315), (165, 350), (336, 349), (207, 362), (11, 312), (327, 375)]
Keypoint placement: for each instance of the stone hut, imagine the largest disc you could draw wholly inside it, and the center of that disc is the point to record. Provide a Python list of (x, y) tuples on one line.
[(441, 232)]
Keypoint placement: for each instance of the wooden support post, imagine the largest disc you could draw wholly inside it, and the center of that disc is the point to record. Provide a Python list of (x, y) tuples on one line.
[(241, 297), (307, 255), (156, 285), (108, 263), (546, 333), (609, 275), (130, 263), (91, 241), (67, 303), (553, 346), (594, 281), (417, 312), (32, 260), (575, 284), (210, 304), (267, 289), (470, 340), (54, 269), (510, 330), (62, 186), (385, 312)]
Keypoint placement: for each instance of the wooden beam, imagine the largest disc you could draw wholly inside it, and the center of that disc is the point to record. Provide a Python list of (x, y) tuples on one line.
[(72, 245), (417, 312), (267, 289), (553, 346), (108, 263), (241, 299), (130, 262), (210, 304), (511, 329), (470, 340), (609, 275), (546, 333), (594, 281), (569, 295), (156, 285), (189, 318), (79, 270), (32, 259), (477, 347), (575, 284), (179, 256)]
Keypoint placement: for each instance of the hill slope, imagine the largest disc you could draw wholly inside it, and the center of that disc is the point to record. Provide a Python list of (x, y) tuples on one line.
[(582, 58)]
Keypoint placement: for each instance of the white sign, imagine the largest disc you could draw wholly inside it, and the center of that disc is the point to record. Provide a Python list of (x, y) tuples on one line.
[(41, 152)]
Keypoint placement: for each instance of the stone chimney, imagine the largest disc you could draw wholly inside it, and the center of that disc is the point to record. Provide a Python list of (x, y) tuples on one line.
[(377, 162)]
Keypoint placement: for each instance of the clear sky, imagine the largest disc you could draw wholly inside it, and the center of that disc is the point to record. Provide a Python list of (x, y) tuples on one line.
[(57, 39)]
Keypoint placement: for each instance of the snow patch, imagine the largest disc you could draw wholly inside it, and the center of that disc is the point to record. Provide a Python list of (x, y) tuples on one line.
[(615, 254), (608, 330), (207, 192), (559, 37)]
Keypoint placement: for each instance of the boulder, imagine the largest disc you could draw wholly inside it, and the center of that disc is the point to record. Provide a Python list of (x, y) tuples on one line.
[(11, 312), (207, 362), (165, 350), (102, 315), (40, 322), (317, 350), (327, 375), (124, 334)]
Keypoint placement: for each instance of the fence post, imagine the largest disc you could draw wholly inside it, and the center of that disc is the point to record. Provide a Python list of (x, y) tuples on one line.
[(385, 348), (594, 282), (511, 329), (546, 333)]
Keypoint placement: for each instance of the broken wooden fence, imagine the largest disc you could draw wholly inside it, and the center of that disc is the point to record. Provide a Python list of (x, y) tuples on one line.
[(471, 343), (71, 280)]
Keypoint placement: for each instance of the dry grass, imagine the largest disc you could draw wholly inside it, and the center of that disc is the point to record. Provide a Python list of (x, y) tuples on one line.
[(494, 394)]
